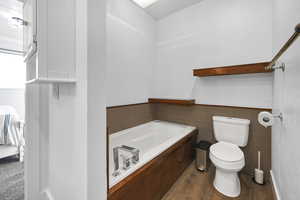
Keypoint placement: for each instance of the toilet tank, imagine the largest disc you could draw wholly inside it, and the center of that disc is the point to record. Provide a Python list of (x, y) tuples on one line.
[(232, 130)]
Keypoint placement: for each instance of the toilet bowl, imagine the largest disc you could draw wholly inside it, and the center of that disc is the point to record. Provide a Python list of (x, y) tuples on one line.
[(229, 160), (231, 133)]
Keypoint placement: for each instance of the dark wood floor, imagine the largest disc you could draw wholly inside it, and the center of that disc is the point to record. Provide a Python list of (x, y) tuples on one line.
[(195, 185)]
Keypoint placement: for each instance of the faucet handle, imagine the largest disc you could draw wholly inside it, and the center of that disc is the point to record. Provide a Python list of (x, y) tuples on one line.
[(135, 157), (126, 162), (116, 173), (135, 153)]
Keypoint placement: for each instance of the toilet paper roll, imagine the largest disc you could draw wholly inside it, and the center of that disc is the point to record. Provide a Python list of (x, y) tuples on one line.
[(266, 119)]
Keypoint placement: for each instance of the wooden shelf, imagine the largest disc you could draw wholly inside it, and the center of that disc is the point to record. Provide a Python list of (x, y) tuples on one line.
[(172, 101), (231, 70)]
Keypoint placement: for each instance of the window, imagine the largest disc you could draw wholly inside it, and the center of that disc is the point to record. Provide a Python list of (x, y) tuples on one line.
[(12, 71), (145, 3)]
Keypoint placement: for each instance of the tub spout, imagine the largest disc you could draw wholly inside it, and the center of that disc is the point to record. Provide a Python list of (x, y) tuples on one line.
[(135, 157), (134, 151)]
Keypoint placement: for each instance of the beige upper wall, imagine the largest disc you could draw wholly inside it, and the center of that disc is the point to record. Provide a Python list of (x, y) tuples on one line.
[(215, 33), (130, 53), (148, 58)]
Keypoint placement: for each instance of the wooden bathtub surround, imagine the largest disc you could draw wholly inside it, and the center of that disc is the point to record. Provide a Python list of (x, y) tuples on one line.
[(231, 70), (127, 105), (200, 116), (234, 107), (128, 116), (155, 178), (172, 101)]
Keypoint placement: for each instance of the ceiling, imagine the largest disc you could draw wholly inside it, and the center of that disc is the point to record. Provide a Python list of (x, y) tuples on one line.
[(163, 8)]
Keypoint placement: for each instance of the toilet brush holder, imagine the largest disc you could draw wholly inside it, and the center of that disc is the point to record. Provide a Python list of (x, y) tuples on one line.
[(259, 176), (258, 173)]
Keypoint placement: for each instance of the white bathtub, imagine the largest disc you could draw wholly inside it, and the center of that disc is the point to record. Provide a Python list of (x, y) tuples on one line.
[(151, 139)]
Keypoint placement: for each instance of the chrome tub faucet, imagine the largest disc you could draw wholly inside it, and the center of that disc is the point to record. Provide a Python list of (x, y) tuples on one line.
[(126, 162)]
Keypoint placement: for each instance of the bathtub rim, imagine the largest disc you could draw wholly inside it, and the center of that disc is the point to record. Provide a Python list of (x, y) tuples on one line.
[(159, 149), (128, 130)]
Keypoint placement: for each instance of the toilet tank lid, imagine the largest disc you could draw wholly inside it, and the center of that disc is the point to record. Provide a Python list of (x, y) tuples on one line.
[(231, 120)]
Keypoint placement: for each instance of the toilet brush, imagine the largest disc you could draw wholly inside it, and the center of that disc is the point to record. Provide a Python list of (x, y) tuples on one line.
[(258, 173)]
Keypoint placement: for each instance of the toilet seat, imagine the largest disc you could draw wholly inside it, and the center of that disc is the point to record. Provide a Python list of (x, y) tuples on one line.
[(227, 156), (227, 152)]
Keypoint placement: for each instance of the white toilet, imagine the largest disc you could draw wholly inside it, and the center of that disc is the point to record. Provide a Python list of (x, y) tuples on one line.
[(226, 154)]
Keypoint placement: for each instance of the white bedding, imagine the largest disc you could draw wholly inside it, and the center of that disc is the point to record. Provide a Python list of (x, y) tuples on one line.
[(11, 130), (8, 150), (11, 133)]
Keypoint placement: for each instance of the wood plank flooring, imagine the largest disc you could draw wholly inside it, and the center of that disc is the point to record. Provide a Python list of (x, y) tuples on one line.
[(195, 185)]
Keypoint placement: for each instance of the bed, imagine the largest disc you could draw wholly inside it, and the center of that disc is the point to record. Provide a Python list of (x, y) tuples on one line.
[(11, 133)]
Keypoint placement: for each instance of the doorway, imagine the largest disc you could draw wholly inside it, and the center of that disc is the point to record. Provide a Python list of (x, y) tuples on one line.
[(12, 101)]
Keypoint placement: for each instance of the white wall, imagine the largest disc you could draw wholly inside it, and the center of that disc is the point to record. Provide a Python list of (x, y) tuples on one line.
[(14, 98), (130, 53), (286, 135), (77, 148), (215, 33), (96, 101), (66, 135)]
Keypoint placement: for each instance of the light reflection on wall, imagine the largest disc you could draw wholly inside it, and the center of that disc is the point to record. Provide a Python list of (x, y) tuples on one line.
[(12, 71)]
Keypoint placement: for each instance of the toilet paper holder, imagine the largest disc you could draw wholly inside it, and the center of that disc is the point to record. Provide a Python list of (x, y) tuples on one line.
[(279, 116), (266, 119)]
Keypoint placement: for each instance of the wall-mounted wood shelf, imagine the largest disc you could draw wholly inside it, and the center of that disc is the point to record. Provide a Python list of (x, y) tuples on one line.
[(231, 70), (172, 101)]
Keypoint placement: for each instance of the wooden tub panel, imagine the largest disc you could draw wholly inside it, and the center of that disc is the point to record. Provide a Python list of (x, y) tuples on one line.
[(154, 179)]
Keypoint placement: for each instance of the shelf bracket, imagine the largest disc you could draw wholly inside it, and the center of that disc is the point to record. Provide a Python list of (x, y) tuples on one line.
[(275, 66)]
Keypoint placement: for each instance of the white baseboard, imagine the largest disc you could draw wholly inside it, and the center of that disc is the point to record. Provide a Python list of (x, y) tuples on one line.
[(275, 186), (46, 195)]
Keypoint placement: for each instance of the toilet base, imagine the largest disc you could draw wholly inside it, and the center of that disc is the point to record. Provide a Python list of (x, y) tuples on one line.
[(227, 183)]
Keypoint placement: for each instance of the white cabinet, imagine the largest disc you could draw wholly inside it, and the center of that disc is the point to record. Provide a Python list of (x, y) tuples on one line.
[(50, 40)]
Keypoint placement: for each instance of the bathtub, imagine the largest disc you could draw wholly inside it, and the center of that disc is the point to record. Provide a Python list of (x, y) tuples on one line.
[(151, 139)]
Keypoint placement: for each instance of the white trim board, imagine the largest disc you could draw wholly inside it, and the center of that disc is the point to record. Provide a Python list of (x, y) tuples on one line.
[(46, 195), (275, 186)]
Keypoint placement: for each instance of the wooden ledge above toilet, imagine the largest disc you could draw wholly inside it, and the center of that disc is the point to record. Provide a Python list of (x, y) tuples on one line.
[(172, 101), (232, 70)]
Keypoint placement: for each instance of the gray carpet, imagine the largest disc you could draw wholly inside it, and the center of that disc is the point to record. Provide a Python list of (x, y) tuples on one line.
[(11, 179)]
